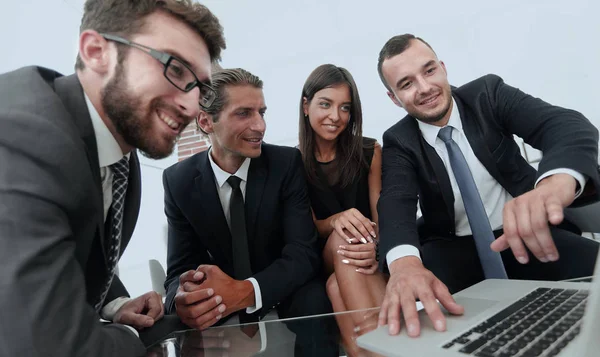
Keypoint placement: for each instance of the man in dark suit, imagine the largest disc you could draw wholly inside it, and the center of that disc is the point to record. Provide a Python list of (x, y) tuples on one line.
[(240, 223), (70, 177), (454, 152)]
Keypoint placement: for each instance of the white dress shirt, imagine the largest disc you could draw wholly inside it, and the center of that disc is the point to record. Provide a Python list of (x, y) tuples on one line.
[(493, 195), (109, 152), (224, 190)]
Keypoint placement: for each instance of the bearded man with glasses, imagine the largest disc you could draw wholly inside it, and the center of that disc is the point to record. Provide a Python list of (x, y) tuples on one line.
[(70, 179)]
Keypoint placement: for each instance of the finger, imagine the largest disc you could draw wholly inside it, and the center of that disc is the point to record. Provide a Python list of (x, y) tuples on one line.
[(539, 226), (523, 212), (136, 320), (432, 308), (383, 318), (189, 286), (555, 211), (500, 244), (357, 255), (393, 314), (188, 298), (369, 271), (367, 224), (363, 263), (217, 314), (204, 307), (543, 231), (409, 310), (342, 232), (352, 230), (511, 235), (443, 295), (369, 247), (155, 307), (360, 226), (190, 275)]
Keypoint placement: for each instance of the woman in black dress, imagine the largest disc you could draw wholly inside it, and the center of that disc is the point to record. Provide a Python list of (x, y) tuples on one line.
[(344, 180)]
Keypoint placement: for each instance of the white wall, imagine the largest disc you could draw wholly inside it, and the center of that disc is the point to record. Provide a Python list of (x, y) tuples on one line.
[(548, 48)]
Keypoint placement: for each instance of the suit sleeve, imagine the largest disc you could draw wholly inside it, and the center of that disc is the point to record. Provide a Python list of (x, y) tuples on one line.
[(397, 205), (184, 250), (44, 176), (566, 138), (300, 260)]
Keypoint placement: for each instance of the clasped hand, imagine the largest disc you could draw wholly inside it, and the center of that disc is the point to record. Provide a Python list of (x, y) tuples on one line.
[(207, 294)]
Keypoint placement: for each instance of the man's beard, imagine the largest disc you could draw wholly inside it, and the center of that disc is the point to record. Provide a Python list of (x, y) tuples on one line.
[(130, 121), (430, 119)]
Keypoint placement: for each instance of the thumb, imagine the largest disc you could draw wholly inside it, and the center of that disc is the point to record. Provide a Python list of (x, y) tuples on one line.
[(446, 299)]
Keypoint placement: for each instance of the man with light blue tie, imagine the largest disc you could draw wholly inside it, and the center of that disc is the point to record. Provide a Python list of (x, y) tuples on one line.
[(455, 155)]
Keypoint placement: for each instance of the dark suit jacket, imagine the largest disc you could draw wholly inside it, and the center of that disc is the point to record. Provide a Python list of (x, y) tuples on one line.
[(52, 236), (281, 233), (491, 112)]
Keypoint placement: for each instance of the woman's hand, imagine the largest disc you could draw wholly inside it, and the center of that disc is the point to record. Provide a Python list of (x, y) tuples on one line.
[(362, 256), (361, 229)]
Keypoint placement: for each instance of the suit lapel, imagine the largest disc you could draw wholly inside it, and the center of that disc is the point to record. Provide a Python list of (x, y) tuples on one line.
[(205, 192), (257, 179), (71, 93), (440, 173)]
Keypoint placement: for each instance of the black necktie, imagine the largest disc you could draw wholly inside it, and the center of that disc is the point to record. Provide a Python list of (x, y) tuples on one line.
[(239, 239), (120, 171)]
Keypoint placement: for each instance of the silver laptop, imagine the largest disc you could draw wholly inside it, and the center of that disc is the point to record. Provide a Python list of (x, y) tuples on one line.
[(507, 318)]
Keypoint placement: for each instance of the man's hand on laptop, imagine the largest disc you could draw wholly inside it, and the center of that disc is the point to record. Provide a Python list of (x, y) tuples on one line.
[(526, 219), (195, 304), (410, 280)]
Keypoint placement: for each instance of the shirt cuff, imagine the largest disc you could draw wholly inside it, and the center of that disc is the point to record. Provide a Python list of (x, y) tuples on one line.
[(401, 251), (109, 310), (576, 175), (257, 297), (132, 330)]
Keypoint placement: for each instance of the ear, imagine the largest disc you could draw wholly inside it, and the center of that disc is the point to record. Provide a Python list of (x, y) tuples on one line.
[(305, 105), (95, 52), (394, 99), (205, 122)]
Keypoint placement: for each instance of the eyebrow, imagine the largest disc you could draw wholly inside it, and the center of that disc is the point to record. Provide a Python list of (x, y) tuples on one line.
[(329, 100), (429, 63), (177, 55), (250, 108)]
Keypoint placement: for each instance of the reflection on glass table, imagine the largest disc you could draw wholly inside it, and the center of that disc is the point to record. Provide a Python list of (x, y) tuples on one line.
[(270, 338)]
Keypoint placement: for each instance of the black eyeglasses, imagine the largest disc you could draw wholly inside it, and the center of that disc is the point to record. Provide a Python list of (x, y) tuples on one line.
[(178, 73)]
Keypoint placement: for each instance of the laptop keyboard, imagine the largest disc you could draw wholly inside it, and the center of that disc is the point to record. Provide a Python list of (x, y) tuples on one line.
[(540, 324)]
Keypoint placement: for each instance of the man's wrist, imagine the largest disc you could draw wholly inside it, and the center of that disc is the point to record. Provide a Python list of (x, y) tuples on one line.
[(247, 294), (398, 264)]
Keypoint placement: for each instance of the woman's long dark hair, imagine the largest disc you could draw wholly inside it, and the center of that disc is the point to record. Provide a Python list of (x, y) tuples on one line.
[(349, 145)]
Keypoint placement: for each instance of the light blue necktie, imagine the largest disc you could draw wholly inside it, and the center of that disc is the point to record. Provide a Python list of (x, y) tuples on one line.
[(491, 262)]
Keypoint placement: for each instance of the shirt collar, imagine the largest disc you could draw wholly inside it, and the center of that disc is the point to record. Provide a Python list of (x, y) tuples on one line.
[(221, 176), (430, 132), (109, 150)]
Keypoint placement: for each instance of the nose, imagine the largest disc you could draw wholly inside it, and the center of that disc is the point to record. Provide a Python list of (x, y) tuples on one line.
[(258, 123), (334, 113), (189, 102), (423, 85)]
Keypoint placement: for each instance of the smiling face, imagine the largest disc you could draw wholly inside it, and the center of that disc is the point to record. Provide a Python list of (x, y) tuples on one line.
[(420, 84), (238, 132), (147, 111), (329, 111)]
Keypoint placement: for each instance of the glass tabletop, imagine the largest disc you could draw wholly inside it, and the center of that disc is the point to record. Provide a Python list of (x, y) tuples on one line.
[(284, 337)]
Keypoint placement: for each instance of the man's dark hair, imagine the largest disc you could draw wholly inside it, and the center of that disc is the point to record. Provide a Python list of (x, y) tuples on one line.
[(223, 78), (127, 17), (393, 47)]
